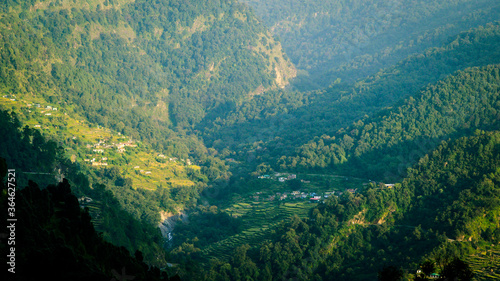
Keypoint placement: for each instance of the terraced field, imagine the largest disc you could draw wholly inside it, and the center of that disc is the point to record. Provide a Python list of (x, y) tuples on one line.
[(98, 147), (95, 213), (260, 218), (486, 264)]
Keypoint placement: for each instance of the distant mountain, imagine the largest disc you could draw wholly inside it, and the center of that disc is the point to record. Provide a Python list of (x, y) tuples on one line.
[(349, 40)]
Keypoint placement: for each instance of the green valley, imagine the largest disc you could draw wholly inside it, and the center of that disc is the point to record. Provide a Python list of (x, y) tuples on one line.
[(251, 140)]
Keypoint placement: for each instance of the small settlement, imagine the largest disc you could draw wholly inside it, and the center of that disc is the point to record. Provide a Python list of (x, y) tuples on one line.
[(313, 197)]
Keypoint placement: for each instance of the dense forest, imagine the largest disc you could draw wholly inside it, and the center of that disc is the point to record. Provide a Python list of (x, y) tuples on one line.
[(252, 140), (384, 145), (274, 125), (349, 40), (143, 69), (27, 151)]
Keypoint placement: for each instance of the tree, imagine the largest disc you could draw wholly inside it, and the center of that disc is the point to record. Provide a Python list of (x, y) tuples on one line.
[(390, 273), (428, 268), (457, 270)]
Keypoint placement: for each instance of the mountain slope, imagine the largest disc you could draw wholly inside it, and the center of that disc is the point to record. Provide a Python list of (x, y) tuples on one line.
[(353, 39), (139, 67), (60, 232), (383, 146), (274, 124)]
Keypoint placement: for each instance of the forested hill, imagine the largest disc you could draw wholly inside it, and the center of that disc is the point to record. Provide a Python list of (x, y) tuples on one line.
[(352, 39), (143, 68), (384, 146), (187, 115), (273, 125), (444, 213)]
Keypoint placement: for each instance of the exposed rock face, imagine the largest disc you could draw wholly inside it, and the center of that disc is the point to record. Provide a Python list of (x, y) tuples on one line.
[(168, 221)]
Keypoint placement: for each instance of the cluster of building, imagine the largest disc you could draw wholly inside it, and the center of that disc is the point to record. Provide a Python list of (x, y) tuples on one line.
[(297, 194), (279, 176), (97, 162), (175, 159), (101, 145)]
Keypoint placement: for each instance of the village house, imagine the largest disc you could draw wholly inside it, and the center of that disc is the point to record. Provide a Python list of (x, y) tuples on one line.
[(329, 193), (315, 199), (84, 199)]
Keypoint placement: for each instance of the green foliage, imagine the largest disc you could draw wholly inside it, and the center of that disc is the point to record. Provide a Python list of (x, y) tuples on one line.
[(275, 125), (385, 145), (27, 150), (35, 158), (60, 232), (426, 213), (349, 40), (149, 70), (200, 79)]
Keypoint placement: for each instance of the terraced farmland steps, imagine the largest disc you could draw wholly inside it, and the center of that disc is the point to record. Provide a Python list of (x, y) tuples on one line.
[(486, 264), (260, 219)]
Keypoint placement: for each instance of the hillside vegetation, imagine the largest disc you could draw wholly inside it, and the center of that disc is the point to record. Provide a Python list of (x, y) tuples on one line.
[(274, 125), (143, 68), (385, 145), (191, 140), (349, 40), (446, 208)]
